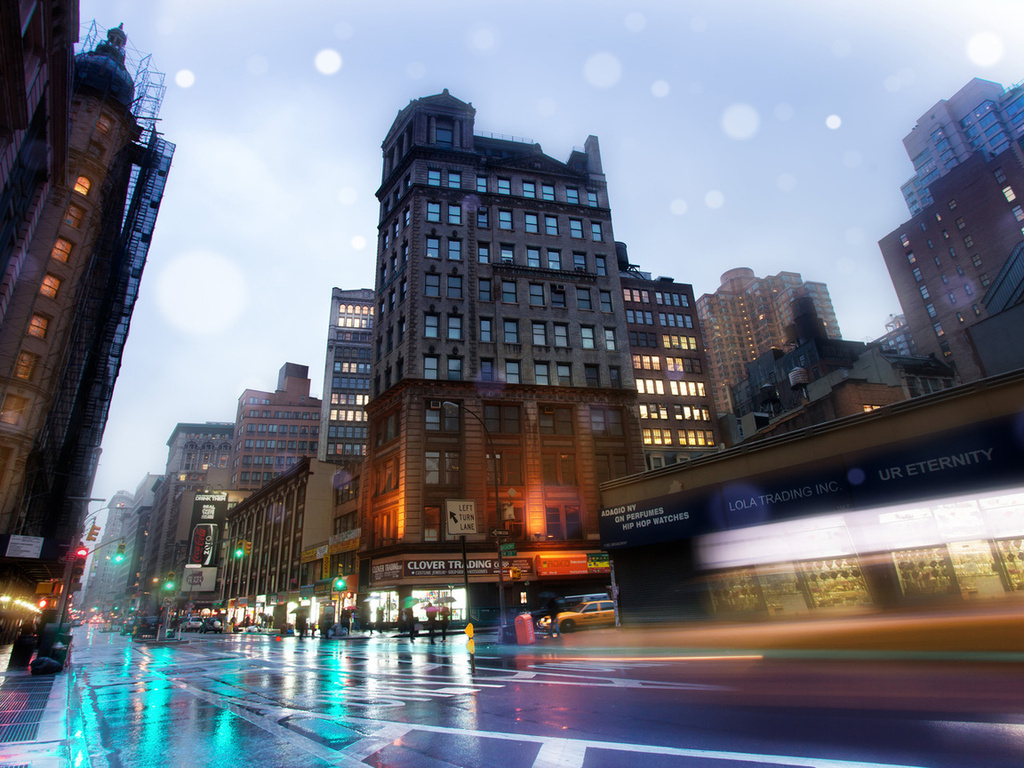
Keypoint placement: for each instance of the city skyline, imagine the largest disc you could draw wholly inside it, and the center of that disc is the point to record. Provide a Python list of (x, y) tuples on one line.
[(713, 161)]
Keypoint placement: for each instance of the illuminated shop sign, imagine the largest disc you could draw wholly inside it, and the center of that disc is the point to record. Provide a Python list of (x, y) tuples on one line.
[(443, 566), (986, 455)]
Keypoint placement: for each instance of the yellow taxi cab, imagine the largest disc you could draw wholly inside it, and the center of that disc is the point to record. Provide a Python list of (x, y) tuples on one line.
[(588, 614)]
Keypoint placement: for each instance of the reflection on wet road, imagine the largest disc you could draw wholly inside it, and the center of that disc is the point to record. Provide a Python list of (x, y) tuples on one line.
[(258, 701)]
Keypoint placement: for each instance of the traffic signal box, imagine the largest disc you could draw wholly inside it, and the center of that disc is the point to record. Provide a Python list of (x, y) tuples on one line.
[(78, 568)]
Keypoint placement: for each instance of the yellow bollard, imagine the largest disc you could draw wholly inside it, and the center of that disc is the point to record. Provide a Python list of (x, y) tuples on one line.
[(471, 646)]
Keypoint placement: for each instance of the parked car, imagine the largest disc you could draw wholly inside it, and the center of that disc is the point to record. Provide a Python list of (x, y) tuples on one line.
[(212, 624), (589, 614), (192, 624)]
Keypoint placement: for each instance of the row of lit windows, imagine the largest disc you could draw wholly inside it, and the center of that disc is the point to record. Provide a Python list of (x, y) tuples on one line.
[(680, 412), (346, 449), (304, 415), (347, 414), (348, 398), (680, 388), (685, 437)]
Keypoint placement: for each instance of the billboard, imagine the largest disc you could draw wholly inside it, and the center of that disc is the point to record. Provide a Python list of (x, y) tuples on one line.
[(208, 512)]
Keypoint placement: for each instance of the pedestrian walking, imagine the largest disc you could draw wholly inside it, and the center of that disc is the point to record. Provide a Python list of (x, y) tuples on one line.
[(552, 608), (446, 619), (410, 621), (431, 611), (380, 619)]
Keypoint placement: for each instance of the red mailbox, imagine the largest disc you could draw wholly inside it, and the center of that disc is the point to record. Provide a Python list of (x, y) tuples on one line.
[(524, 629)]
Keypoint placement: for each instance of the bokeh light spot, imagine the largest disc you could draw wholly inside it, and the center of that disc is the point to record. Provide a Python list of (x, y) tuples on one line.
[(678, 207), (328, 61), (636, 22), (660, 89), (985, 49), (358, 242), (201, 292), (842, 48), (602, 70), (833, 122), (740, 121), (714, 199), (184, 78), (483, 39)]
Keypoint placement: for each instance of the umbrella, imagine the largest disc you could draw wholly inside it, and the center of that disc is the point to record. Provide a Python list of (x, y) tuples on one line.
[(409, 602), (445, 599)]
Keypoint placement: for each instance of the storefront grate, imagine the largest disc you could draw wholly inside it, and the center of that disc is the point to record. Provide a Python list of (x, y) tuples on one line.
[(22, 703)]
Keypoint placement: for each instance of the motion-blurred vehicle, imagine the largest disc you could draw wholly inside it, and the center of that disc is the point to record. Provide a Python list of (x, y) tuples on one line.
[(192, 624), (211, 624), (589, 614)]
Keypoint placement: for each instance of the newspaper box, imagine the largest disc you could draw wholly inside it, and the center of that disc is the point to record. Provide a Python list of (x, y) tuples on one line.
[(524, 629)]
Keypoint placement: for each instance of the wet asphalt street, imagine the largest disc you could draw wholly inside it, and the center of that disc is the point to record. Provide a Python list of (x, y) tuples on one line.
[(252, 700)]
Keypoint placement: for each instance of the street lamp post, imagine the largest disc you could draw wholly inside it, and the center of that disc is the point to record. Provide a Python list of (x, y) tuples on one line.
[(497, 516)]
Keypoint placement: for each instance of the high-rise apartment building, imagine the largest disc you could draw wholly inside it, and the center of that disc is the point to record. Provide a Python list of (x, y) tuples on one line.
[(747, 316), (343, 425), (670, 367), (503, 389), (273, 430), (980, 117), (950, 263), (72, 277)]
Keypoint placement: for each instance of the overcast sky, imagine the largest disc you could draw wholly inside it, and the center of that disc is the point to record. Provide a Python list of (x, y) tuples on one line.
[(733, 133)]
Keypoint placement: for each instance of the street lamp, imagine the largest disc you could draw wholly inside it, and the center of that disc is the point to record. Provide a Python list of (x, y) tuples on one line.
[(497, 515)]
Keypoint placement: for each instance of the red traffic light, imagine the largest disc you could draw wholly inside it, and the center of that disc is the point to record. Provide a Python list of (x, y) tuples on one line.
[(81, 552), (43, 602)]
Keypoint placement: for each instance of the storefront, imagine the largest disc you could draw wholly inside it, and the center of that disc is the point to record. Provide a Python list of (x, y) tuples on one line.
[(401, 582), (843, 519)]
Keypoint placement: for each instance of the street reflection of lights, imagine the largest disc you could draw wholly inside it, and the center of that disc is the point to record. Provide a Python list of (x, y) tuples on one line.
[(617, 659)]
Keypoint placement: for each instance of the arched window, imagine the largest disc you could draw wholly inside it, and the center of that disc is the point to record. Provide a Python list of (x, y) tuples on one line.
[(82, 185)]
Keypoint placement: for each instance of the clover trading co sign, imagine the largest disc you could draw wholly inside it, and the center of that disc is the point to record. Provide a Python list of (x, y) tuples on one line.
[(460, 515)]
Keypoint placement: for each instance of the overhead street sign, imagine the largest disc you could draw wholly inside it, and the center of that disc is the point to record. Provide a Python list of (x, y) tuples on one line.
[(460, 516), (499, 533)]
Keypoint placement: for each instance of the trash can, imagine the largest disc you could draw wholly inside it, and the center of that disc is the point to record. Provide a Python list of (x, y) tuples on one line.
[(21, 651), (524, 629)]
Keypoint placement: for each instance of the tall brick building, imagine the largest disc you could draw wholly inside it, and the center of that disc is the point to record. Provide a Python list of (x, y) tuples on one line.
[(501, 371)]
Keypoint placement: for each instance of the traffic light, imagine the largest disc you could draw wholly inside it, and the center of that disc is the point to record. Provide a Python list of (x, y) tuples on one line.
[(247, 548), (78, 568), (339, 584), (169, 581), (515, 574), (119, 554), (240, 549), (43, 602)]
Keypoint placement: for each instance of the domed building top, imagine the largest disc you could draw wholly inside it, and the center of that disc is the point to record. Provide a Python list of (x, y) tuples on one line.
[(102, 69)]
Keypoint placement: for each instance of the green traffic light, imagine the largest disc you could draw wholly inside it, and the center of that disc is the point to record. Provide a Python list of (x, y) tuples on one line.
[(169, 585), (239, 552), (339, 584)]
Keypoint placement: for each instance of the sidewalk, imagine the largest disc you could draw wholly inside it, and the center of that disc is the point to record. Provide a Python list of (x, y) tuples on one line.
[(34, 718)]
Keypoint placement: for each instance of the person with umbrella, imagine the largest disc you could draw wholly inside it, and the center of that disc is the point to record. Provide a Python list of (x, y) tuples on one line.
[(445, 614), (431, 610)]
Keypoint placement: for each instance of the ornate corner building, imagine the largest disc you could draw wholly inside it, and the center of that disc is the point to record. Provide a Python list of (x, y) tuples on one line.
[(501, 373), (72, 266)]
